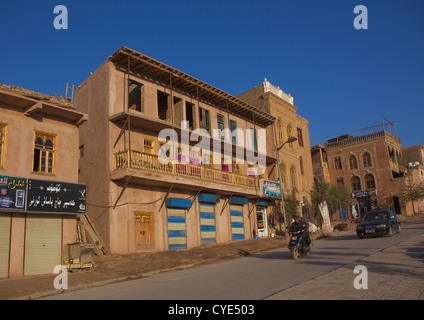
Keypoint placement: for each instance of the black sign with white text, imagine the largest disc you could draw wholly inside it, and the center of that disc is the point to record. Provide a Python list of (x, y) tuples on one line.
[(56, 197)]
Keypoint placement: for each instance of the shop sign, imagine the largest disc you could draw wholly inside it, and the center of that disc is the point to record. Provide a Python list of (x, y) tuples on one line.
[(367, 193), (12, 193), (56, 197), (271, 189)]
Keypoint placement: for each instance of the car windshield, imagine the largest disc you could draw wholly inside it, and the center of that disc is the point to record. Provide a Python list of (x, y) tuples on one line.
[(375, 216)]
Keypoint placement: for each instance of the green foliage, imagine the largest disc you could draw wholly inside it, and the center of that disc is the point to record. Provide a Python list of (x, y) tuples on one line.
[(337, 197), (291, 204)]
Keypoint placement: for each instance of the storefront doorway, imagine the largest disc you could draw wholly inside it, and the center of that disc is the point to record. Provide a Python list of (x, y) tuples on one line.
[(261, 220)]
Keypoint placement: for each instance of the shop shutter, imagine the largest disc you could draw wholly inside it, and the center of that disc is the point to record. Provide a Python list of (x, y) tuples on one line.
[(207, 223), (177, 235), (43, 243), (4, 244), (237, 225)]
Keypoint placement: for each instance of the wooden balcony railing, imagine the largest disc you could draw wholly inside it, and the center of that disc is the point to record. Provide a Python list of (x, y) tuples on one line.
[(146, 161)]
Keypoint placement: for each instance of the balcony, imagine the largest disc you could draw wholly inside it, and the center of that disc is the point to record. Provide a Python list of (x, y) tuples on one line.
[(198, 175)]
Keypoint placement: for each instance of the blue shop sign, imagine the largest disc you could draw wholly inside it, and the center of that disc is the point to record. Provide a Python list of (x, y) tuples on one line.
[(271, 189)]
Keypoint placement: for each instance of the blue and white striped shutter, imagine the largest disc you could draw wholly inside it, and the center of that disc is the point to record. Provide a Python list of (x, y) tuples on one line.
[(207, 223)]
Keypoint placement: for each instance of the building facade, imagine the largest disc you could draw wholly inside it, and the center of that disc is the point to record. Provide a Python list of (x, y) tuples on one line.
[(150, 186), (38, 161), (295, 157), (368, 164)]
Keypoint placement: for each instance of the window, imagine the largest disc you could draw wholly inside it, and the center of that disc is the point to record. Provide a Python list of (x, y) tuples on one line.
[(290, 134), (279, 132), (220, 119), (367, 159), (355, 183), (300, 137), (253, 139), (352, 163), (233, 129), (205, 122), (149, 146), (337, 163), (293, 177), (135, 96), (190, 115), (340, 181), (301, 165), (44, 153), (369, 181), (2, 145), (283, 174), (163, 107)]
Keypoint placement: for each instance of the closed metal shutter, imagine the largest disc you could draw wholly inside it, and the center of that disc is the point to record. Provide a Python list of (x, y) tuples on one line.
[(43, 243), (4, 244), (177, 234), (207, 223), (237, 225)]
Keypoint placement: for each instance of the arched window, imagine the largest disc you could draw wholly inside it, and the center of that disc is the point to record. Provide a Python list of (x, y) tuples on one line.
[(352, 163), (369, 181), (279, 132), (283, 173), (355, 183), (293, 177), (367, 160), (290, 134)]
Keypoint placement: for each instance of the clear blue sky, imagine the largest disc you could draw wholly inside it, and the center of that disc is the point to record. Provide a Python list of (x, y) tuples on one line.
[(342, 79)]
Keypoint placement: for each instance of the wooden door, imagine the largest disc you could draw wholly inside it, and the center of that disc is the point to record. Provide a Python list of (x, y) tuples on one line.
[(143, 232)]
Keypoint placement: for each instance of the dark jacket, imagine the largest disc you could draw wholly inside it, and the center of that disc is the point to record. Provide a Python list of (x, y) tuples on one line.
[(299, 226)]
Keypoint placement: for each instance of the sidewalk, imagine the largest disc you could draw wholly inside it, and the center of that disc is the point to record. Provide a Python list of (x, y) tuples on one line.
[(396, 273)]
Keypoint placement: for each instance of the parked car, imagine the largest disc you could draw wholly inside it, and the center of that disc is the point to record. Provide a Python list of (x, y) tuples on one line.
[(378, 223)]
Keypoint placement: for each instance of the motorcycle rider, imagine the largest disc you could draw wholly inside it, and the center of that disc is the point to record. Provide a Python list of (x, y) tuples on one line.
[(300, 224)]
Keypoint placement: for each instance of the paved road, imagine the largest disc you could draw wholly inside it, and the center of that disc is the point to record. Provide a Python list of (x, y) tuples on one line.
[(249, 278)]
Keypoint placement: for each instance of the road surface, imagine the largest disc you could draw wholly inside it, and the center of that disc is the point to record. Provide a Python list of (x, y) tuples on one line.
[(248, 278)]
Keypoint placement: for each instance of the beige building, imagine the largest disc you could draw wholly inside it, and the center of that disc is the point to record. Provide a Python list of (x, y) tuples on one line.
[(138, 203), (295, 158), (368, 163), (38, 160)]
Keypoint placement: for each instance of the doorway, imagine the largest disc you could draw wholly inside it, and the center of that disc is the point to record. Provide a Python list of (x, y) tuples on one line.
[(143, 232)]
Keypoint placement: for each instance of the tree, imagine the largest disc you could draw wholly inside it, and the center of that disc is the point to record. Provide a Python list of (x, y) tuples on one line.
[(412, 191), (338, 197), (320, 192), (291, 204)]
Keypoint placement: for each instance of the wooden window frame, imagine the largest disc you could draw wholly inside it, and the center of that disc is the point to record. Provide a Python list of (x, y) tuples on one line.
[(53, 152), (3, 145)]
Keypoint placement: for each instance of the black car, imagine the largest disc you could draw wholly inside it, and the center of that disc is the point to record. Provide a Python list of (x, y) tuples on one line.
[(378, 223)]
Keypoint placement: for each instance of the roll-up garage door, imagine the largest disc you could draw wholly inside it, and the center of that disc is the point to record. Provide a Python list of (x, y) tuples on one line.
[(207, 223), (4, 244), (237, 225), (43, 243), (177, 235)]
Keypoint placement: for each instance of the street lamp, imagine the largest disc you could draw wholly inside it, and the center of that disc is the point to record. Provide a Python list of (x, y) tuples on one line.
[(277, 149)]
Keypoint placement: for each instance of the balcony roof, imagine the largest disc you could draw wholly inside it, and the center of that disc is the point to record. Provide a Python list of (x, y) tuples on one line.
[(196, 88)]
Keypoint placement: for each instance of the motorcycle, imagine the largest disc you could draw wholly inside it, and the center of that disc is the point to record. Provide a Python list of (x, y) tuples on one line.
[(297, 245)]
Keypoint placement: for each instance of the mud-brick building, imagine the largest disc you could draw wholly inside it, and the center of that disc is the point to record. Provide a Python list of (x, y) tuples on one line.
[(40, 197), (368, 163), (136, 202)]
